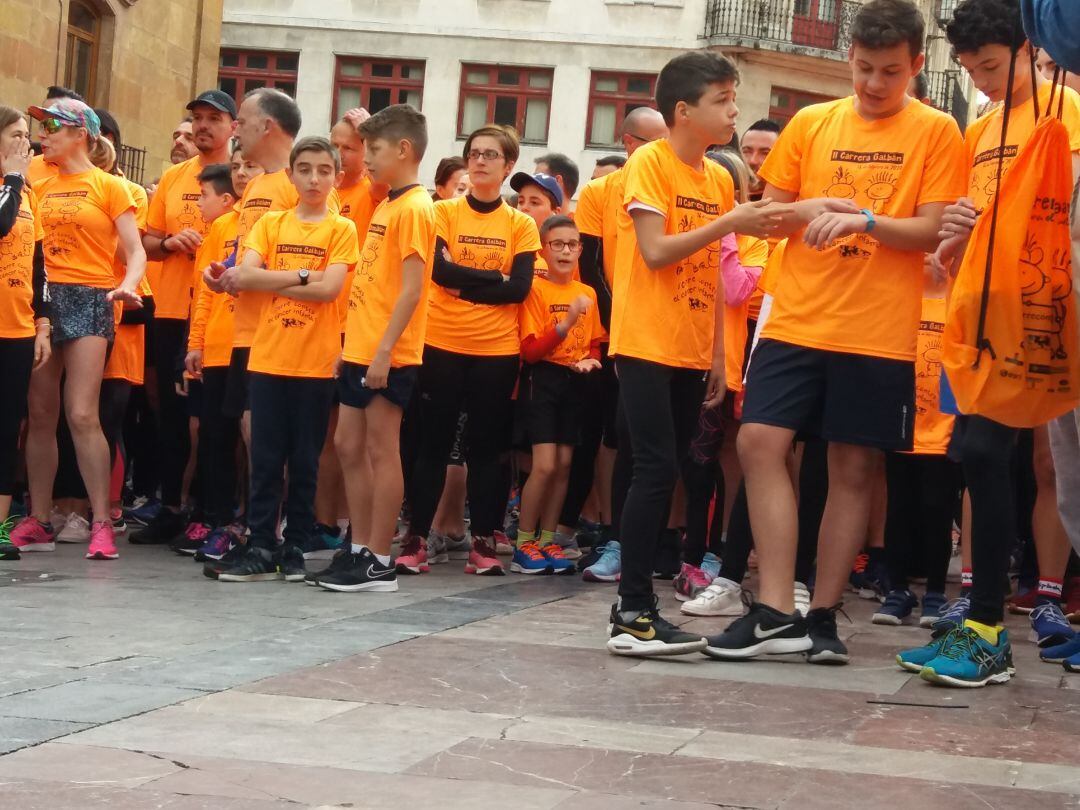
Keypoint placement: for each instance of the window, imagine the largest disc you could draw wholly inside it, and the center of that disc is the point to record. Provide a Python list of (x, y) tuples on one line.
[(240, 72), (611, 97), (376, 83), (83, 42), (519, 97), (786, 102)]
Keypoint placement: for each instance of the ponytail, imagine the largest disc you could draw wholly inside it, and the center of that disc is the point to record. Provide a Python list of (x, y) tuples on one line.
[(102, 153)]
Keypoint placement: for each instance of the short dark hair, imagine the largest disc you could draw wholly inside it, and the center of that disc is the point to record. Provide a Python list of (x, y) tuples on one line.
[(922, 85), (314, 143), (219, 176), (884, 24), (447, 168), (686, 77), (506, 136), (562, 166), (398, 122), (556, 221), (764, 125), (618, 161), (976, 23), (276, 105), (55, 91)]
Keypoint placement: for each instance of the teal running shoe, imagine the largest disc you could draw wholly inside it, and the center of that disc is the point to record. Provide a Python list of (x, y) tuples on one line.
[(969, 661)]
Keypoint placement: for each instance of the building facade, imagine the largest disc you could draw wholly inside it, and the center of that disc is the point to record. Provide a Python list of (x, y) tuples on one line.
[(563, 72), (143, 60)]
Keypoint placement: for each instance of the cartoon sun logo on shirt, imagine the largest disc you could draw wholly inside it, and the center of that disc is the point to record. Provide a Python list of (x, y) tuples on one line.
[(843, 185), (881, 189)]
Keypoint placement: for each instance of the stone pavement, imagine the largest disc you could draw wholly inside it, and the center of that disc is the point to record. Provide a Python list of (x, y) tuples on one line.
[(142, 684)]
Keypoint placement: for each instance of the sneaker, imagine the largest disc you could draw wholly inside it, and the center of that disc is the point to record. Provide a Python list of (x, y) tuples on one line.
[(569, 545), (1024, 603), (933, 606), (503, 546), (437, 553), (213, 568), (1049, 627), (1072, 664), (119, 525), (608, 568), (413, 558), (143, 511), (644, 633), (361, 572), (857, 578), (827, 647), (482, 559), (192, 539), (762, 631), (102, 542), (952, 616), (217, 544), (457, 548), (76, 529), (690, 582), (802, 599), (968, 660), (290, 563), (165, 527), (341, 561), (1060, 653), (668, 556), (875, 581), (721, 598), (8, 550), (322, 543), (556, 558), (529, 559), (915, 658), (710, 564), (30, 534), (896, 609), (254, 565), (589, 558)]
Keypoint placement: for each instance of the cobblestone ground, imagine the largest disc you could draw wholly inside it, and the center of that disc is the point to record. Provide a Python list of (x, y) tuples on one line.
[(141, 684)]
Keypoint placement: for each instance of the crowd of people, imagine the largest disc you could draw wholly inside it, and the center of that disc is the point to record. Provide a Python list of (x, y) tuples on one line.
[(842, 352)]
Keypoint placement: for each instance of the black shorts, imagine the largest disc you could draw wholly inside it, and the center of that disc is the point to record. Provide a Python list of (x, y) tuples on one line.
[(194, 399), (552, 403), (845, 398), (609, 397), (353, 393), (238, 388)]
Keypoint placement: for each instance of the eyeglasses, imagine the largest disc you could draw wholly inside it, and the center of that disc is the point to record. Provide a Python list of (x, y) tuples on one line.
[(559, 246), (488, 154), (52, 125)]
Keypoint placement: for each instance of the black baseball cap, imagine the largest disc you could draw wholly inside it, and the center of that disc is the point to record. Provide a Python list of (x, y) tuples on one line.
[(218, 99)]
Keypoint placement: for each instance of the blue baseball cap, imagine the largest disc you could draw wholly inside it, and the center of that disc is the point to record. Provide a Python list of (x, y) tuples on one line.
[(548, 184)]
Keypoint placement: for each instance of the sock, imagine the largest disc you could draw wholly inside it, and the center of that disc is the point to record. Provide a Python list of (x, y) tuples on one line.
[(965, 578), (358, 547), (1050, 590), (342, 524), (524, 537), (383, 558), (546, 538), (986, 631)]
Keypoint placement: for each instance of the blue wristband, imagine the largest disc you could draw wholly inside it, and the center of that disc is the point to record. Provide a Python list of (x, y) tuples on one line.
[(871, 220)]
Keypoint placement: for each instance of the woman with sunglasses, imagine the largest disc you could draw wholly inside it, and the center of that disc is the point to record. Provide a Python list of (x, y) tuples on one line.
[(484, 256), (86, 216)]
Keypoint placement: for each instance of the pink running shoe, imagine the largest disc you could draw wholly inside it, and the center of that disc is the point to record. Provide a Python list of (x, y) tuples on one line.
[(413, 558), (33, 535), (690, 582), (482, 559), (102, 542)]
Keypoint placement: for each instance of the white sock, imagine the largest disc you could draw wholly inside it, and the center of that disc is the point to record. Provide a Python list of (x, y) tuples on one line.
[(343, 525), (358, 547), (383, 558)]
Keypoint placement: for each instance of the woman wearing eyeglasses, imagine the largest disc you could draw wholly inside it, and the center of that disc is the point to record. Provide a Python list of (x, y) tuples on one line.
[(484, 256), (86, 215)]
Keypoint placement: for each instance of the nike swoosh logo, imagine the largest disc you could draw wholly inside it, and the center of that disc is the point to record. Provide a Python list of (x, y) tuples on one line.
[(372, 573), (759, 633), (644, 635)]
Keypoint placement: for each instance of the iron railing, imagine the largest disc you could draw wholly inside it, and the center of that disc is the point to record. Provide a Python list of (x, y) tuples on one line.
[(132, 162), (947, 94), (821, 24)]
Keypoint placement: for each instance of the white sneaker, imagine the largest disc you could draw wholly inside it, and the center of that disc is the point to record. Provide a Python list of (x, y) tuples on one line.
[(436, 549), (802, 599), (722, 598), (76, 530)]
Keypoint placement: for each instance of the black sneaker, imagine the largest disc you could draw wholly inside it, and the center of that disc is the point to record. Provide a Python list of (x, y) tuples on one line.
[(363, 572), (643, 633), (166, 527), (668, 558), (341, 561), (827, 647), (290, 562), (213, 568), (255, 565), (192, 539), (762, 631)]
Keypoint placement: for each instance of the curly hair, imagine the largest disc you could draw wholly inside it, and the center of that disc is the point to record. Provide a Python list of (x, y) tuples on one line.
[(976, 23)]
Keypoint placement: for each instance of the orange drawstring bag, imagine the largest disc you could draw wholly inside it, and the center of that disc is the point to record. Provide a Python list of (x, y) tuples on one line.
[(1011, 348)]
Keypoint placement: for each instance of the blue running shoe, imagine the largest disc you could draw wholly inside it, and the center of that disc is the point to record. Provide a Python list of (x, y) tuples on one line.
[(914, 659), (1062, 652), (143, 511), (710, 564), (609, 567), (217, 544), (1049, 627), (952, 616), (529, 559), (557, 559), (1072, 664), (896, 609), (969, 661), (933, 604)]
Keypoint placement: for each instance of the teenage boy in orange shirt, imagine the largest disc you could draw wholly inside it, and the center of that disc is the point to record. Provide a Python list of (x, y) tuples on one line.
[(868, 177)]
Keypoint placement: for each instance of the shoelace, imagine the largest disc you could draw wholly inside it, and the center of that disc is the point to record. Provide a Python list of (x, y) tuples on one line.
[(5, 530), (609, 555), (956, 608), (960, 644), (531, 550), (860, 563), (198, 531), (554, 551), (1051, 614)]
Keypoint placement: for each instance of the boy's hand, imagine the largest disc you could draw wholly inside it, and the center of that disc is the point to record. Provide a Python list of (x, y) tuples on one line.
[(193, 363), (229, 281), (378, 372), (579, 306), (212, 277), (187, 241), (586, 365), (831, 226), (716, 388), (942, 261), (760, 219), (958, 220)]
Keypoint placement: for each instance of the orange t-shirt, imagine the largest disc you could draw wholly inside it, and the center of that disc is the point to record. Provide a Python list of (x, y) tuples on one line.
[(127, 357), (17, 269), (402, 226), (175, 206), (603, 200), (667, 315), (39, 170), (858, 296), (78, 215), (482, 242), (212, 314), (299, 338), (358, 203), (933, 429), (767, 284), (753, 309), (547, 304), (265, 193)]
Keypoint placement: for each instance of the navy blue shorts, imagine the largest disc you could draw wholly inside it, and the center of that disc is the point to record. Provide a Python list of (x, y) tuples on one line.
[(353, 393)]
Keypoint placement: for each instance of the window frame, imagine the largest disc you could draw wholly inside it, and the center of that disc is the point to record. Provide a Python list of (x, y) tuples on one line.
[(780, 115), (521, 91), (365, 83), (270, 76), (93, 39), (621, 97)]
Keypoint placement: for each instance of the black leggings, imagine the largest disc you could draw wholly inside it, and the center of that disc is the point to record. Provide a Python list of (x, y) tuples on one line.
[(218, 435), (115, 395), (16, 361), (600, 403), (482, 387), (704, 479), (112, 406), (174, 447), (923, 493), (661, 405)]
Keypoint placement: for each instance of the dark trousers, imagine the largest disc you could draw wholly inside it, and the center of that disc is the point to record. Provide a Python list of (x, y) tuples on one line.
[(16, 361), (481, 387), (661, 405), (174, 440), (140, 441), (218, 435), (601, 397), (289, 418), (923, 493)]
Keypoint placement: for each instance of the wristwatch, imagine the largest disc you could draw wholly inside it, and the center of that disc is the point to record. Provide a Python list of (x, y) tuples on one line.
[(304, 276)]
